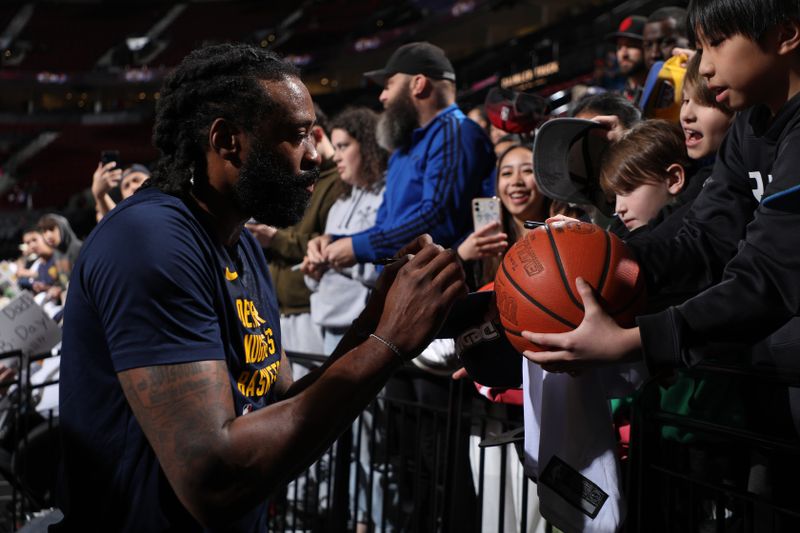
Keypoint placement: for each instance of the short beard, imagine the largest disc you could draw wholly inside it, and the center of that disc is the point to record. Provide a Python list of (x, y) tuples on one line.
[(268, 191), (397, 123), (635, 69)]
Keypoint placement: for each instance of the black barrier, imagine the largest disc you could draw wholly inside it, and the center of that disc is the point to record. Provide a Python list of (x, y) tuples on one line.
[(29, 448), (404, 465), (733, 467), (411, 463)]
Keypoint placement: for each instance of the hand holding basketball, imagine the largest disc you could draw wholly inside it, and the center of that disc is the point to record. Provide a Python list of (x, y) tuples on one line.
[(598, 339), (536, 287)]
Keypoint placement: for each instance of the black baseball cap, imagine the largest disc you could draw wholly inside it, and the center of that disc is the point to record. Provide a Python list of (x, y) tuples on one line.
[(631, 27), (415, 58), (568, 154)]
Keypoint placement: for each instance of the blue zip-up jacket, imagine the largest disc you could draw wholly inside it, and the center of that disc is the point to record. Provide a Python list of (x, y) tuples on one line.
[(430, 186)]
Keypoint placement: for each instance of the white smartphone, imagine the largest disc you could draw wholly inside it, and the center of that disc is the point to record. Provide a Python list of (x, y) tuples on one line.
[(485, 211)]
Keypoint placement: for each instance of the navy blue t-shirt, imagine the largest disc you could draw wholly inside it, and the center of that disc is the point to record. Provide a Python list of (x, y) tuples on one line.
[(152, 287)]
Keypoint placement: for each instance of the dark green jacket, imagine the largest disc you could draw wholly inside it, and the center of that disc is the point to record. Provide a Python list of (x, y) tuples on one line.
[(288, 246)]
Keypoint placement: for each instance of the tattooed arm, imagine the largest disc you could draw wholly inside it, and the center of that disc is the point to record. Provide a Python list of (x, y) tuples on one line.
[(221, 465)]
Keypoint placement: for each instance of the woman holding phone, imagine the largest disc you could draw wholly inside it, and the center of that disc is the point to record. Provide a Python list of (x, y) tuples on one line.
[(520, 200)]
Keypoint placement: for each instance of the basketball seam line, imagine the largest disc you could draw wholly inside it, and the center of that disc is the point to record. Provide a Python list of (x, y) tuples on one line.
[(534, 302), (606, 265), (561, 269)]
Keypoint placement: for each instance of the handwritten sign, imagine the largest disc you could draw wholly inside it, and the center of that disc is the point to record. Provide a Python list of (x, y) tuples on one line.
[(25, 326)]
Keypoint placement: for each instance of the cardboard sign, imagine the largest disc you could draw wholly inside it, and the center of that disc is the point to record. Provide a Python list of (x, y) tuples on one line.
[(25, 326)]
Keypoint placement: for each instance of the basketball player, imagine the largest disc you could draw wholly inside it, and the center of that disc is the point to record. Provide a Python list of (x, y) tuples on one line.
[(171, 331)]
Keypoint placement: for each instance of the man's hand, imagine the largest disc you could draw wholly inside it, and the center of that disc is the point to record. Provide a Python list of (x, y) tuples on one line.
[(339, 254), (262, 233), (484, 242), (419, 299), (105, 178), (316, 249), (369, 317), (597, 340)]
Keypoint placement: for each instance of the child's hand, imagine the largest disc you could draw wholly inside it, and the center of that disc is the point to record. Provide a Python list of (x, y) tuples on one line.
[(615, 128), (483, 242), (560, 218), (597, 340), (688, 53)]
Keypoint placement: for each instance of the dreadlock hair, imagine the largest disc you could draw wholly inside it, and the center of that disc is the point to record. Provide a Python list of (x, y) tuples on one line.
[(218, 81)]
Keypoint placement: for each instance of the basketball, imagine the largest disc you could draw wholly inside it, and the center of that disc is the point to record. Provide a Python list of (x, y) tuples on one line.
[(535, 284)]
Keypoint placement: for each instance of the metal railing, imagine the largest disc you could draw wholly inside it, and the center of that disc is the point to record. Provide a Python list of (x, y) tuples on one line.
[(730, 468), (412, 462)]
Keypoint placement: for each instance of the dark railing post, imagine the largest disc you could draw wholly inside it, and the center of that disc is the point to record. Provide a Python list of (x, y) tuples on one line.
[(341, 483)]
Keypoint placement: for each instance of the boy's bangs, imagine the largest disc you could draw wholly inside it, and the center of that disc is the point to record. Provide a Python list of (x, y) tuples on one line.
[(712, 21)]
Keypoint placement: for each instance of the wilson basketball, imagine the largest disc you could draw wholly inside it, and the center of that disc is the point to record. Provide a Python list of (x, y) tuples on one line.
[(535, 284)]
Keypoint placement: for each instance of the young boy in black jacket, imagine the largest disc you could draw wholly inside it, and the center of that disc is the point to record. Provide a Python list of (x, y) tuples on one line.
[(741, 236)]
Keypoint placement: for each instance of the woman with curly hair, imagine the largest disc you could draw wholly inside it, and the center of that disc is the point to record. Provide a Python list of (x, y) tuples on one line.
[(339, 294)]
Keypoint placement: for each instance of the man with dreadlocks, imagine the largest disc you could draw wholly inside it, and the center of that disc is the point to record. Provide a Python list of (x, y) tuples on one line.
[(171, 331)]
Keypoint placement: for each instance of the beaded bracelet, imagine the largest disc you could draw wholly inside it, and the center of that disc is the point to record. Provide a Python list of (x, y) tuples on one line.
[(393, 347)]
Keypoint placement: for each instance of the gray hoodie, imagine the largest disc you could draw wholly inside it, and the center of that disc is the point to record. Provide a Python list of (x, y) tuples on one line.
[(340, 295)]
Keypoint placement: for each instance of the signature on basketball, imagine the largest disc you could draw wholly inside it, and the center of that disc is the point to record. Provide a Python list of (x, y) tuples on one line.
[(530, 262)]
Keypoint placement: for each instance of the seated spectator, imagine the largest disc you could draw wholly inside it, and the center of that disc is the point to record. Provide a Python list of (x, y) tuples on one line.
[(107, 176), (42, 273), (58, 234), (339, 294)]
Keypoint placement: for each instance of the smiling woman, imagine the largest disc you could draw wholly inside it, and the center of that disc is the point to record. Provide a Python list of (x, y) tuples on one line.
[(521, 201)]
